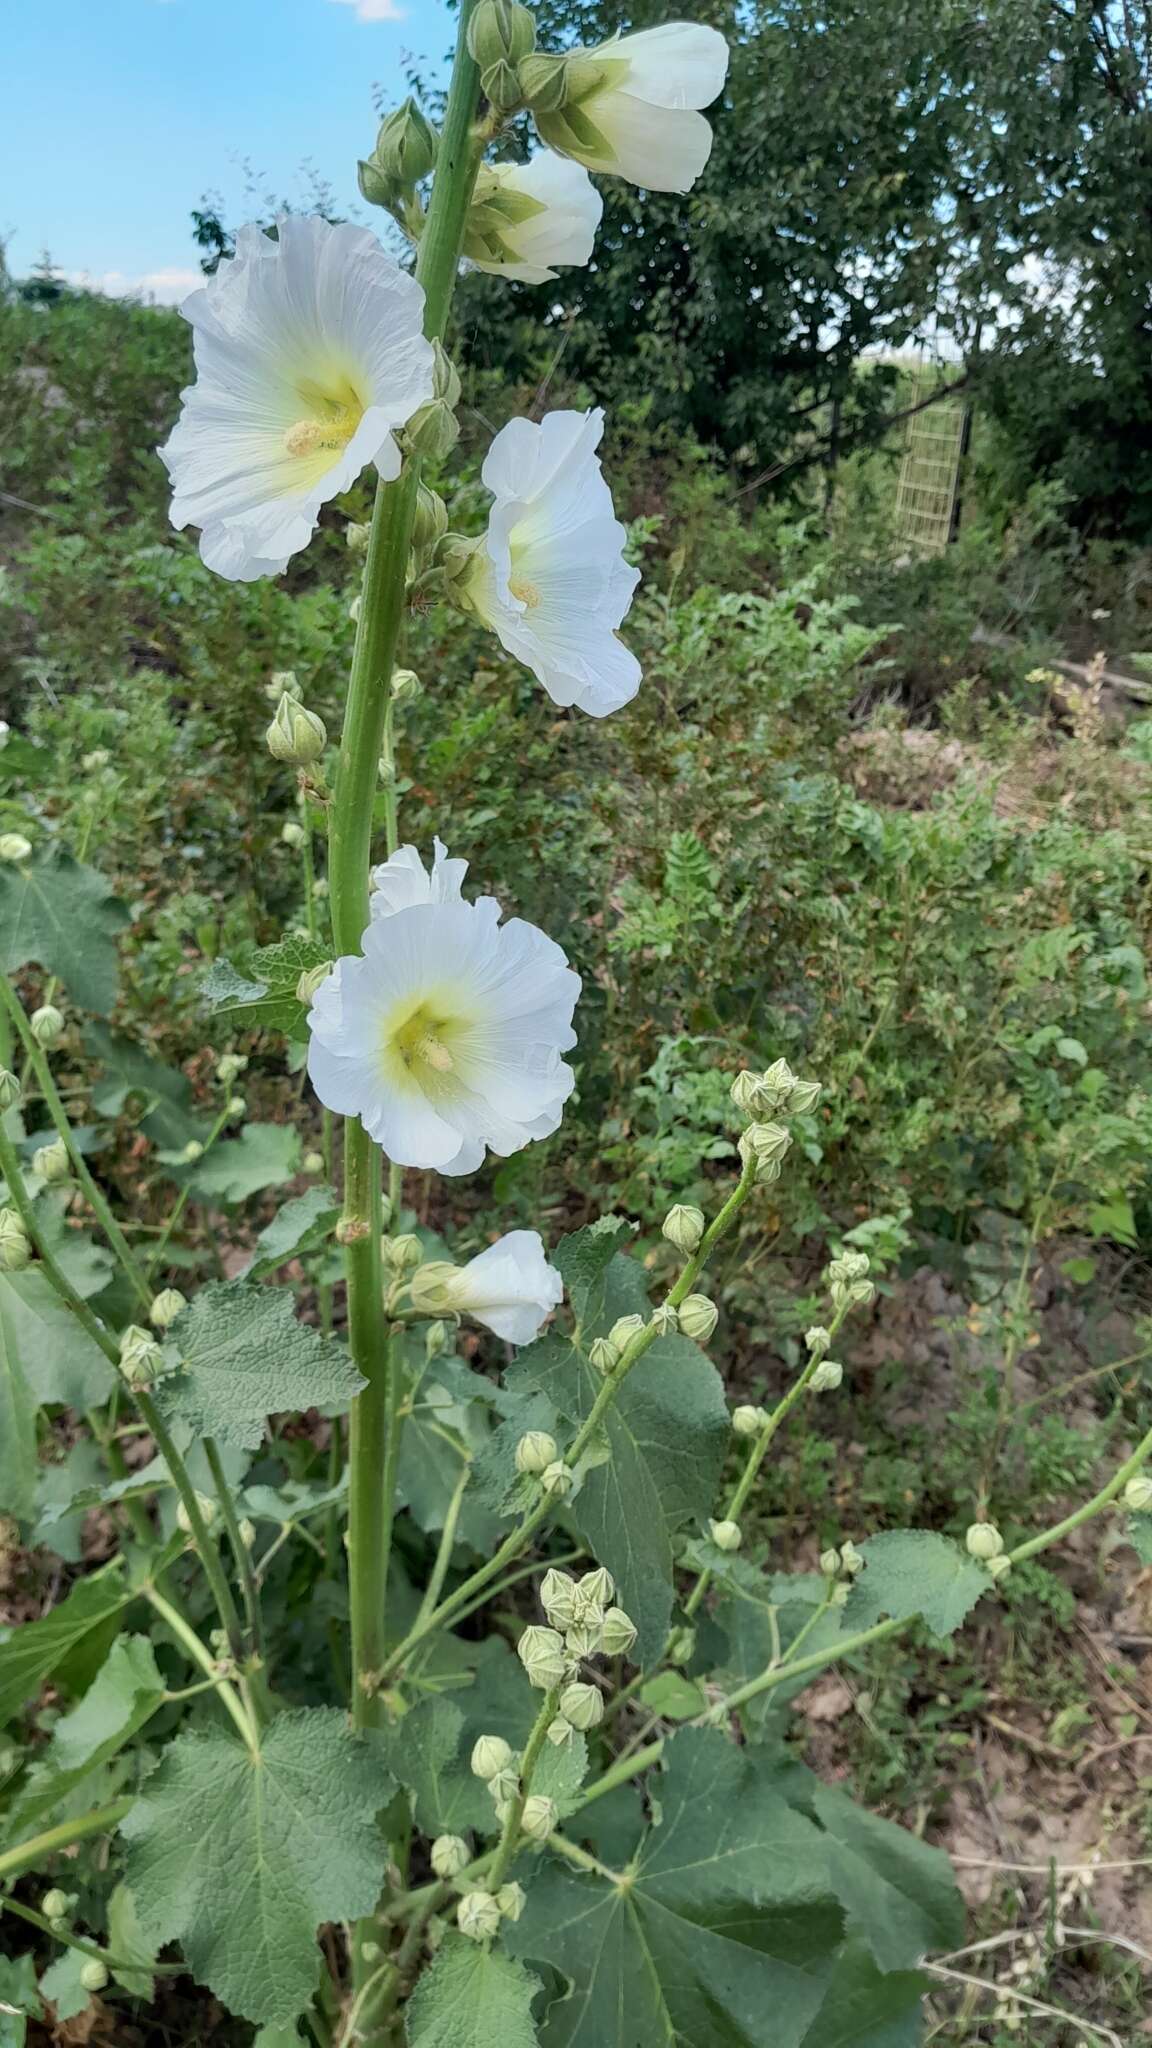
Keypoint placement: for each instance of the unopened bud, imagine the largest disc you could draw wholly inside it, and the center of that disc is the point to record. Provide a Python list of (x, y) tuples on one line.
[(850, 1560), (93, 1974), (282, 683), (830, 1563), (293, 834), (1138, 1494), (617, 1633), (450, 1855), (503, 1789), (535, 1451), (14, 847), (698, 1317), (544, 83), (541, 1652), (141, 1358), (358, 533), (208, 1512), (428, 530), (501, 32), (47, 1026), (683, 1226), (764, 1146), (558, 1598), (402, 1253), (295, 734), (861, 1292), (582, 1706), (166, 1306), (748, 1421), (665, 1320), (405, 685), (583, 1640), (435, 1339), (312, 1162), (604, 1354), (511, 1900), (539, 1817), (11, 1093), (56, 1905), (236, 1107), (818, 1339), (15, 1250), (726, 1535), (247, 1532), (803, 1097), (192, 1151), (478, 1916), (594, 1590), (406, 146), (557, 1478), (827, 1377), (311, 979), (623, 1330), (434, 430), (681, 1645), (490, 1754), (229, 1067), (983, 1541), (52, 1162), (560, 1732)]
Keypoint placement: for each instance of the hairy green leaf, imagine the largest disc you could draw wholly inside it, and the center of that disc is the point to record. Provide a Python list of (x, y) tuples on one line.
[(915, 1571), (263, 990), (242, 1858), (19, 1999), (245, 1356), (583, 1259), (263, 1156), (37, 1649), (67, 919), (61, 1985), (472, 1997)]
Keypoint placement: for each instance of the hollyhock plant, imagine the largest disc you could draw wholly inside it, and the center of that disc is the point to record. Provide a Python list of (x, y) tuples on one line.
[(310, 354), (510, 1287), (530, 220), (549, 576), (631, 105)]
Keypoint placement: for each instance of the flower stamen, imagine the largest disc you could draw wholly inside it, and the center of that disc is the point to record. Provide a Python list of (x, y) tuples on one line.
[(526, 592)]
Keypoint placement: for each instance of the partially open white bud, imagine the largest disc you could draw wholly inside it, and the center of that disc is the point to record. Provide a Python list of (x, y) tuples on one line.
[(478, 1916), (726, 1535), (490, 1753), (748, 1421), (539, 1817), (983, 1541), (311, 979), (535, 1451), (698, 1317), (166, 1306), (450, 1855), (582, 1706), (827, 1377), (542, 1653), (683, 1226)]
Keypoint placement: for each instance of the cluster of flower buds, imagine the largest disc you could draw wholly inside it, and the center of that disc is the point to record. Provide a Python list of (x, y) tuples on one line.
[(764, 1147), (583, 1623), (15, 1250), (776, 1092), (841, 1566), (605, 1353), (57, 1907), (498, 1766), (984, 1542), (405, 154), (501, 36), (848, 1282), (229, 1067), (296, 734)]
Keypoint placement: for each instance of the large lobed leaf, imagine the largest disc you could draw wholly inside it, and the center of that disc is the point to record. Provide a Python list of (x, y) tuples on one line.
[(264, 991), (66, 918), (472, 1997), (241, 1859), (244, 1356), (910, 1572)]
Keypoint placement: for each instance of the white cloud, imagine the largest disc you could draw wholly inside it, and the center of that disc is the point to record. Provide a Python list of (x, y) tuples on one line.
[(376, 10), (164, 287)]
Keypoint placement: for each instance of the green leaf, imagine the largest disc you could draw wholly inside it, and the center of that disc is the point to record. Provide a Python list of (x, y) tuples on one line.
[(583, 1259), (19, 1999), (301, 1224), (450, 1422), (915, 1571), (45, 1356), (241, 1859), (60, 1507), (126, 1690), (127, 1070), (263, 992), (863, 2008), (674, 1697), (723, 1935), (665, 1438), (245, 1356), (126, 1940), (66, 918), (898, 1894), (1139, 1533), (263, 1156), (37, 1649), (61, 1985), (472, 1997)]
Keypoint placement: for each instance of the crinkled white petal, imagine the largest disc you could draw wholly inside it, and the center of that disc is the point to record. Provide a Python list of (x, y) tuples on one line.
[(551, 580), (403, 879), (319, 325), (445, 1036), (510, 1288), (564, 234)]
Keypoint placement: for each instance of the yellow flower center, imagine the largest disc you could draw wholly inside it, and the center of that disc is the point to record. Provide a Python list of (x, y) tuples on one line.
[(525, 591), (418, 1046), (332, 411)]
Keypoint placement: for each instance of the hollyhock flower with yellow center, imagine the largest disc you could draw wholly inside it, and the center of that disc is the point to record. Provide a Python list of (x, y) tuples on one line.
[(529, 220), (444, 1036), (310, 354), (631, 105), (549, 576)]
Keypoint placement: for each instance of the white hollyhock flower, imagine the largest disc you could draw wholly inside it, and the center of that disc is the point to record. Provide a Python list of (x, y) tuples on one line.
[(510, 1288), (444, 1036), (631, 107), (403, 879), (549, 577), (309, 353), (529, 220)]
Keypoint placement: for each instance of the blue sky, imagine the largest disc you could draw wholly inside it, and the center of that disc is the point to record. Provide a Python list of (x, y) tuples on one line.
[(120, 114)]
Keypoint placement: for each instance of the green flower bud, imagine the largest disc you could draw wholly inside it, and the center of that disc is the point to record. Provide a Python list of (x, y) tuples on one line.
[(623, 1330), (229, 1067), (192, 1151), (818, 1338), (541, 1652), (490, 1754), (47, 1026), (665, 1320), (296, 735), (681, 1645), (535, 1452), (405, 685), (617, 1633), (402, 1253), (434, 429), (501, 32), (838, 1597), (544, 83), (14, 846), (502, 1790), (560, 1731), (312, 1162), (478, 1916), (746, 1093), (247, 1531), (861, 1292), (209, 1509), (435, 1340), (851, 1561), (450, 1855), (748, 1421), (56, 1905), (1138, 1494), (166, 1306), (827, 1377), (683, 1226), (557, 1478), (11, 1093), (371, 1951), (282, 683), (604, 1355), (15, 1250), (293, 834), (431, 1286), (539, 1818), (698, 1317), (357, 534), (558, 1598), (97, 759), (998, 1567), (803, 1097), (582, 1706), (594, 1590), (236, 1106), (52, 1162), (830, 1563), (764, 1146), (583, 1639), (377, 189), (93, 1974), (511, 1900), (726, 1535), (983, 1541)]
